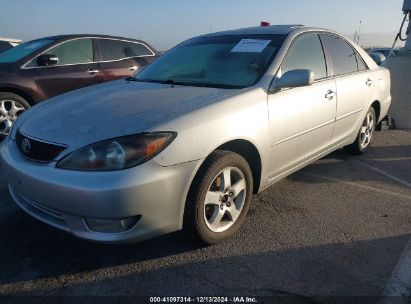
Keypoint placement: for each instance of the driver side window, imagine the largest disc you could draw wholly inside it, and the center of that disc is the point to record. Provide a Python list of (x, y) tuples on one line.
[(71, 52), (306, 53)]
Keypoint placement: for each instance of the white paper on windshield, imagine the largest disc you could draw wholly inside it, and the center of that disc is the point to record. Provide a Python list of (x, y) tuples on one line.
[(250, 46)]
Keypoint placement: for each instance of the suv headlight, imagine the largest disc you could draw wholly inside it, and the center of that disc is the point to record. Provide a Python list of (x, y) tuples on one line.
[(118, 153)]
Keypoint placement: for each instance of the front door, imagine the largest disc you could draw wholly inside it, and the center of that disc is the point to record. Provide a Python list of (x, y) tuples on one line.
[(301, 119), (75, 68)]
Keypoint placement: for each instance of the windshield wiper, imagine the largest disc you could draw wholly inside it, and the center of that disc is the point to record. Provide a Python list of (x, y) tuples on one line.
[(194, 84), (131, 78), (168, 81)]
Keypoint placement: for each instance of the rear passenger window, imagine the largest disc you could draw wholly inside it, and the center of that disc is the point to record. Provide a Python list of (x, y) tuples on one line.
[(306, 53), (137, 49), (343, 57), (111, 49)]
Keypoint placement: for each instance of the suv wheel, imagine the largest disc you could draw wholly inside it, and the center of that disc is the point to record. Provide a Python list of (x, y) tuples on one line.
[(11, 106)]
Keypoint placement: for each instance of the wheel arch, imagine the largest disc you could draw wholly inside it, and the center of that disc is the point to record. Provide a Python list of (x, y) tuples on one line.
[(19, 92), (250, 153), (377, 108)]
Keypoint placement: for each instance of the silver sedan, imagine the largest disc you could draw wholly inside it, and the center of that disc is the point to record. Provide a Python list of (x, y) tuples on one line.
[(188, 140)]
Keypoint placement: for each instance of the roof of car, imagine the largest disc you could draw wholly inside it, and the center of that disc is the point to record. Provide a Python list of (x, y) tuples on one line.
[(71, 36), (272, 29), (60, 38)]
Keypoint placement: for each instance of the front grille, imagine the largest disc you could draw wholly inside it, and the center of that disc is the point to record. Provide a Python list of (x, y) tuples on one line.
[(37, 150)]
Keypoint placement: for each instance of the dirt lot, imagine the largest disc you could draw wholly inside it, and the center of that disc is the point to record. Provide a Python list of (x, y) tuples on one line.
[(337, 228)]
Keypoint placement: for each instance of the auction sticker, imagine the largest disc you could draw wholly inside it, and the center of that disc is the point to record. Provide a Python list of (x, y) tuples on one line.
[(250, 46)]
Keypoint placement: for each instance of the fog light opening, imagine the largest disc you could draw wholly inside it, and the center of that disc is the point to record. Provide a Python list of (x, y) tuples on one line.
[(112, 226)]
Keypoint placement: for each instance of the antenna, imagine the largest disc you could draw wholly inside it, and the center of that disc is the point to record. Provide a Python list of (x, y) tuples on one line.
[(359, 33)]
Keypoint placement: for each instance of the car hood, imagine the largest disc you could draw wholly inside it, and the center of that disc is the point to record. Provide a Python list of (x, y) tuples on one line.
[(113, 109)]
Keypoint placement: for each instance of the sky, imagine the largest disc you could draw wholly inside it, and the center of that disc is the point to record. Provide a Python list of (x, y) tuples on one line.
[(164, 23)]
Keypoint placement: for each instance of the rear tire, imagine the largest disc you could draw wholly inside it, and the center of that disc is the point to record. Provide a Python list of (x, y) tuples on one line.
[(365, 134), (219, 198), (11, 106)]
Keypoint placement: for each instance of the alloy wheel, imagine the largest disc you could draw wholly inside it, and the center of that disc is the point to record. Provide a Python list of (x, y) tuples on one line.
[(225, 199), (9, 111), (367, 130)]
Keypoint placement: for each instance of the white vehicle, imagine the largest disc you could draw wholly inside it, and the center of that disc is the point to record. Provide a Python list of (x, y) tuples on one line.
[(7, 43)]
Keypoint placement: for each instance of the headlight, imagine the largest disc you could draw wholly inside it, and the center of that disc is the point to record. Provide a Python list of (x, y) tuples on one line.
[(118, 153)]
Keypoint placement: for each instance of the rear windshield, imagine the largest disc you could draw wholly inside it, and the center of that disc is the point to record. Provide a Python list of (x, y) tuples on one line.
[(19, 52), (231, 61)]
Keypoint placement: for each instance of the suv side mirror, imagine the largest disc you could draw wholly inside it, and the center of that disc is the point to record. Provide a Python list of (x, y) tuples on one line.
[(47, 60), (294, 79)]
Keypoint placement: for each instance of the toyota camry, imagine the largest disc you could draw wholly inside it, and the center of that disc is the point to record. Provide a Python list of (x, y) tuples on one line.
[(187, 141)]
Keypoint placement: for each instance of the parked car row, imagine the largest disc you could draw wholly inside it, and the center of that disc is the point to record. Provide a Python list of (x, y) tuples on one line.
[(39, 69), (7, 43), (185, 142)]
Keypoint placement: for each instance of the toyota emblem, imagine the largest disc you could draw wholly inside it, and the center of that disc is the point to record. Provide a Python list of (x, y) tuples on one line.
[(26, 146)]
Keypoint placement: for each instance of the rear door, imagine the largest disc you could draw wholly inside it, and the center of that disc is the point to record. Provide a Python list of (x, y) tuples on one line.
[(121, 59), (113, 60), (355, 85), (75, 69), (140, 52)]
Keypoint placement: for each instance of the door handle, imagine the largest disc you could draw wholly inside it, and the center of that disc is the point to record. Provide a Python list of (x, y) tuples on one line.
[(91, 71), (330, 94), (133, 68), (369, 82)]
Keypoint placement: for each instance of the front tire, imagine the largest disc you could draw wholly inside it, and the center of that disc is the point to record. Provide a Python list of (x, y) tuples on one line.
[(219, 198), (11, 106), (365, 134)]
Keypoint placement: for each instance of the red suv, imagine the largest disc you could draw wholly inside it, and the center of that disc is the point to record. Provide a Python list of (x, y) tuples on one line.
[(42, 68)]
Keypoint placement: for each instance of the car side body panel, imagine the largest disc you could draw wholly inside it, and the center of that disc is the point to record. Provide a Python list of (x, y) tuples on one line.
[(243, 116), (305, 134), (56, 80)]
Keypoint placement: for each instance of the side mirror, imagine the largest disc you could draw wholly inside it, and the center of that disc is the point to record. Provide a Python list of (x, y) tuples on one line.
[(379, 58), (47, 60), (294, 79)]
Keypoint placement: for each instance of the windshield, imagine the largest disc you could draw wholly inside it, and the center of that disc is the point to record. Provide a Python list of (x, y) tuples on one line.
[(23, 50), (221, 61)]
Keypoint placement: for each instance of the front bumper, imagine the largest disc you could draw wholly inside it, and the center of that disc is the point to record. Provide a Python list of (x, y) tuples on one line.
[(64, 198)]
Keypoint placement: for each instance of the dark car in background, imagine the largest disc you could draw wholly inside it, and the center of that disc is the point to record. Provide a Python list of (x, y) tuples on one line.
[(385, 51), (39, 69)]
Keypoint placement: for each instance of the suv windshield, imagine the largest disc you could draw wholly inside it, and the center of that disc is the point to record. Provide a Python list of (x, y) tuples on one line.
[(23, 50), (216, 61)]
